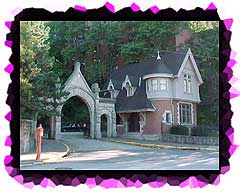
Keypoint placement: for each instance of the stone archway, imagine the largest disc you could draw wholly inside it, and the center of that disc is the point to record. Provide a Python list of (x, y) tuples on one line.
[(75, 117), (104, 125), (110, 123), (76, 85), (88, 100)]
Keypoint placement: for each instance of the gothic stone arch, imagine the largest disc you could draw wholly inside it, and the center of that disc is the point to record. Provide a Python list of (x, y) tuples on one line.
[(76, 85), (111, 121), (88, 100)]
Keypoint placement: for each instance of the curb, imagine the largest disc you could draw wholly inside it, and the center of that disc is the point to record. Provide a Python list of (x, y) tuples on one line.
[(67, 152), (61, 155), (157, 146)]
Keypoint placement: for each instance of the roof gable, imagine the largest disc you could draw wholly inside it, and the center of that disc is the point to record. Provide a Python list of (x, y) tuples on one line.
[(189, 56), (126, 80), (110, 84), (174, 60)]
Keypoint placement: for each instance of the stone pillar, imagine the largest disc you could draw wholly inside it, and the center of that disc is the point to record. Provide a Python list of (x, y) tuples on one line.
[(92, 123), (142, 121), (58, 124), (114, 127), (125, 121), (109, 126), (141, 126), (98, 127)]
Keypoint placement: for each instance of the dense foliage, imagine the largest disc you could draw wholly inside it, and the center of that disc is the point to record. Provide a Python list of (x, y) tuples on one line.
[(75, 111), (49, 49), (39, 84)]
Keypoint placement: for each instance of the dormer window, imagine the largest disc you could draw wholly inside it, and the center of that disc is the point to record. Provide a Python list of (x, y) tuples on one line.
[(129, 89), (187, 82)]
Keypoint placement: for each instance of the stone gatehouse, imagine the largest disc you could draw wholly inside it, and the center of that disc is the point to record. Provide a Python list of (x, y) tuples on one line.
[(143, 99), (76, 85)]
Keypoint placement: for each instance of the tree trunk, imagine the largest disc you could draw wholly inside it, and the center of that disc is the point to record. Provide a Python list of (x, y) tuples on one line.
[(35, 116)]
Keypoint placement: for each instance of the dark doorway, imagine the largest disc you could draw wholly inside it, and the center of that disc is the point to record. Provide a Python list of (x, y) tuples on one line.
[(119, 120), (75, 116), (104, 125), (133, 123)]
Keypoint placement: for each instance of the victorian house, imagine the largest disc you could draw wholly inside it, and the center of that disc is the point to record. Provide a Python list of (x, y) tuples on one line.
[(153, 95)]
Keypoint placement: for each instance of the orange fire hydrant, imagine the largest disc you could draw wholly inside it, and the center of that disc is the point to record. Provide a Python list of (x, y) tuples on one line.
[(39, 141)]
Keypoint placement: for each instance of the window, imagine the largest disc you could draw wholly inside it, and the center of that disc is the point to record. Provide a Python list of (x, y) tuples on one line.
[(167, 117), (157, 85), (185, 113), (154, 85), (163, 84), (187, 84), (129, 89)]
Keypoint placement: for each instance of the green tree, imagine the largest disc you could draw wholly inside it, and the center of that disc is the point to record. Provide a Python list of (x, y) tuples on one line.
[(39, 93), (99, 44), (146, 38)]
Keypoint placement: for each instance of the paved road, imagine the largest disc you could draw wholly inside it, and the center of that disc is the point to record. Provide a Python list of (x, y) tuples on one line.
[(90, 154)]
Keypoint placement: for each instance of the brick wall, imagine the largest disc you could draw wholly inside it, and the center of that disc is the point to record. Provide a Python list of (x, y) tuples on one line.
[(154, 123), (120, 130)]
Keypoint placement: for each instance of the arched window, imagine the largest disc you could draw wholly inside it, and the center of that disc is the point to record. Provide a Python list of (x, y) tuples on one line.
[(129, 89), (187, 84)]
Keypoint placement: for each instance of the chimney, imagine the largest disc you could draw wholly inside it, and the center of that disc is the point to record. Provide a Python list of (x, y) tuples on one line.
[(182, 37)]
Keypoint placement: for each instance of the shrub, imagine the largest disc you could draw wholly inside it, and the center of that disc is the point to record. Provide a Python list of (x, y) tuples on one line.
[(204, 131), (179, 130)]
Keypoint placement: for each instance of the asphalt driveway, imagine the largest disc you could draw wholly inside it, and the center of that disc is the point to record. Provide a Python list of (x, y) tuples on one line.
[(89, 154)]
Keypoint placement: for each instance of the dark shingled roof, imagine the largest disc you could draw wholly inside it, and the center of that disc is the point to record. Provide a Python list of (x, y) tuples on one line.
[(134, 80), (174, 60), (169, 63), (117, 84), (137, 102)]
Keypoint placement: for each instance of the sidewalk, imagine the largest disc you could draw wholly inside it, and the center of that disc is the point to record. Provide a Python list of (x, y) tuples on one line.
[(51, 150), (162, 145)]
